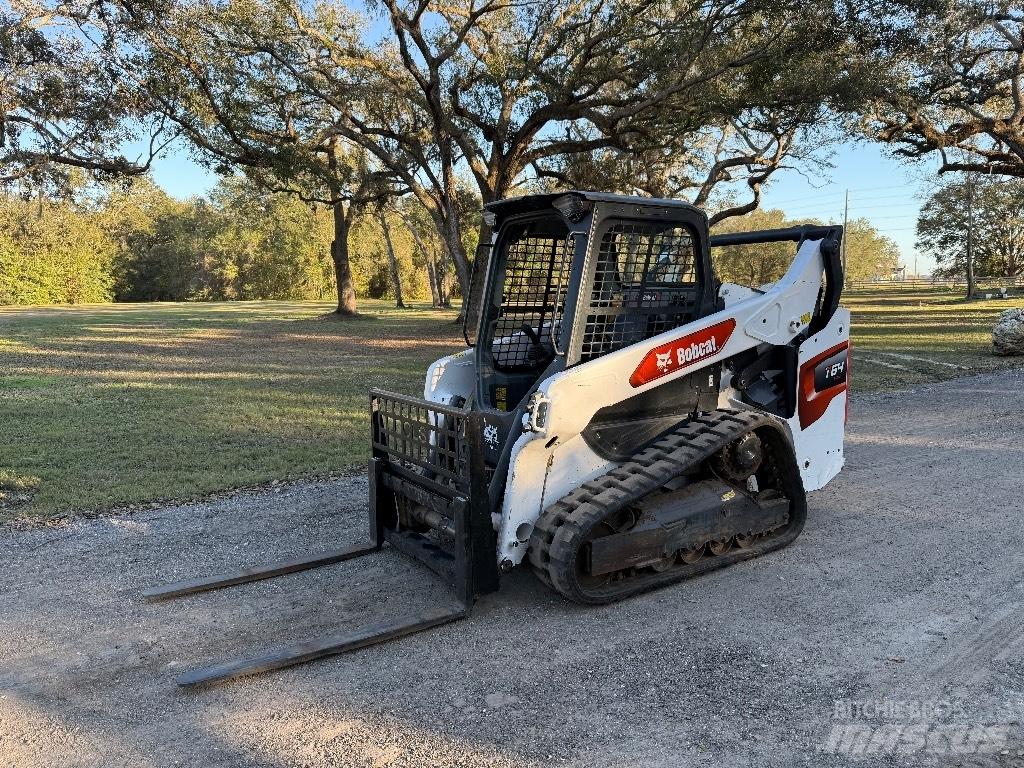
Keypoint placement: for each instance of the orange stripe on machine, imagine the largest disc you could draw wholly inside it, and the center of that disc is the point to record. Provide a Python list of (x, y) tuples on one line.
[(680, 353)]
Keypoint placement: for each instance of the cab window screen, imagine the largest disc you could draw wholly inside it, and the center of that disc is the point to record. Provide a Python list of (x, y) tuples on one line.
[(536, 276), (645, 283)]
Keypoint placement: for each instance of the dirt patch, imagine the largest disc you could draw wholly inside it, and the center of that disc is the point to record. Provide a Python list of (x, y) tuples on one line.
[(16, 490)]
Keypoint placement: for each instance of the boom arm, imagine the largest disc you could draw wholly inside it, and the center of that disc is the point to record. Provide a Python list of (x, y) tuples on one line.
[(830, 239)]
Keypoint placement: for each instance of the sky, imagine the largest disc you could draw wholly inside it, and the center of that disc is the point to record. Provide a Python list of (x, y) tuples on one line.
[(883, 190)]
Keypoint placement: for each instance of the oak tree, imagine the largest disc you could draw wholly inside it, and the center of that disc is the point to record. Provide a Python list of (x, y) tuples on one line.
[(958, 93)]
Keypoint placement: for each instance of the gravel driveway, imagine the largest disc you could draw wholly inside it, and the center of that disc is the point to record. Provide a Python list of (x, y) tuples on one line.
[(901, 607)]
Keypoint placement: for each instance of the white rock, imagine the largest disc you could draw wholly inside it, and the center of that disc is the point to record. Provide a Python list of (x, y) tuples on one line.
[(1008, 335)]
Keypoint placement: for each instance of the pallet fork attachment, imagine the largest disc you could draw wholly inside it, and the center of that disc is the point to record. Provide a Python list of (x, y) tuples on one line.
[(426, 455)]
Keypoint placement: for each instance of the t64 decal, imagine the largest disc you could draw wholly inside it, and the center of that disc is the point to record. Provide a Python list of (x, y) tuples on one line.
[(822, 378), (683, 352)]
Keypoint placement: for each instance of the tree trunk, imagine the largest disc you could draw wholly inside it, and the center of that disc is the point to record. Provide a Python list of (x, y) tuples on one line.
[(442, 207), (342, 268), (435, 297), (970, 237), (452, 231), (448, 228), (462, 271), (444, 290), (436, 291), (396, 277)]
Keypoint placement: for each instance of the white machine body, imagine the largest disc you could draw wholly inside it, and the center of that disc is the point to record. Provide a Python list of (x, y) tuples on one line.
[(551, 457)]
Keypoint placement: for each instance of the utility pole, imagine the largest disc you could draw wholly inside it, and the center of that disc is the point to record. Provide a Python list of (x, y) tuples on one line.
[(970, 236), (846, 235)]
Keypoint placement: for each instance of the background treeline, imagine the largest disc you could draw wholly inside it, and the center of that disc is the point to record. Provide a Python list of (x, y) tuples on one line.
[(137, 243), (992, 210), (429, 109), (134, 242), (870, 255)]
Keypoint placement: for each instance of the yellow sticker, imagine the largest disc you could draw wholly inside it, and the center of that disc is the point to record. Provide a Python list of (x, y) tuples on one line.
[(728, 495), (805, 318)]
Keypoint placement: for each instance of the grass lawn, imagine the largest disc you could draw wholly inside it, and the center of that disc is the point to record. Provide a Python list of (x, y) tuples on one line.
[(903, 337), (102, 406)]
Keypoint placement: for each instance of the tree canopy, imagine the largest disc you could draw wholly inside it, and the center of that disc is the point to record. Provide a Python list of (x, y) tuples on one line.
[(65, 103), (402, 118), (666, 96), (958, 93)]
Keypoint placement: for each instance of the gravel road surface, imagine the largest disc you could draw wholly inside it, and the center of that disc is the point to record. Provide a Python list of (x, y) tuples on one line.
[(889, 633)]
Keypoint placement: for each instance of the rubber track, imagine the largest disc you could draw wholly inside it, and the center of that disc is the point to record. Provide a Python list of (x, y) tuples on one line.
[(563, 526)]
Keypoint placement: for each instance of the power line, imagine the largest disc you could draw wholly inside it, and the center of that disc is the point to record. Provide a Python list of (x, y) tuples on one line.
[(894, 210), (870, 189), (806, 197), (839, 194), (853, 211), (873, 206), (870, 203), (855, 216)]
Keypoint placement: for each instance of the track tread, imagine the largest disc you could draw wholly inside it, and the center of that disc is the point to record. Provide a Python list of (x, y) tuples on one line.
[(563, 526)]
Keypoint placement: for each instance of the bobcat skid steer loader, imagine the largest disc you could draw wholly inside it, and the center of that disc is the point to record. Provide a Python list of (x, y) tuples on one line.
[(620, 420)]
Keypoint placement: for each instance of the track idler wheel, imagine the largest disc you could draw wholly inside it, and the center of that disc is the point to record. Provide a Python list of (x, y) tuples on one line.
[(717, 548)]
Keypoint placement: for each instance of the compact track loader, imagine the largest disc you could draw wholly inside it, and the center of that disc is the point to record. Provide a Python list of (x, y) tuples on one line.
[(619, 421)]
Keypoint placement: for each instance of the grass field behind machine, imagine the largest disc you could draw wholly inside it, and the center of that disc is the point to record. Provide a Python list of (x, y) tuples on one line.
[(903, 337), (111, 405)]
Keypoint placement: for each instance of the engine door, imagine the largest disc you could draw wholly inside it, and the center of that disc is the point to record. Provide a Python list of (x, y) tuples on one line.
[(819, 423)]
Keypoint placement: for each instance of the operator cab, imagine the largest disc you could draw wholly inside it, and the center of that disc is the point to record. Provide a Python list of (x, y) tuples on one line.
[(571, 277)]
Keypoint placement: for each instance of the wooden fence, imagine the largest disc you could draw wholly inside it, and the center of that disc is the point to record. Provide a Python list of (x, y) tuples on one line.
[(929, 282)]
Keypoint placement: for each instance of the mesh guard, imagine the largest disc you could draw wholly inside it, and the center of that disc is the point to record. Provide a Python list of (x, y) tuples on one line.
[(533, 295), (645, 283)]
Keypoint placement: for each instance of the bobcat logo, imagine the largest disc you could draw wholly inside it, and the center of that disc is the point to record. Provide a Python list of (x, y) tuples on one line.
[(681, 353)]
